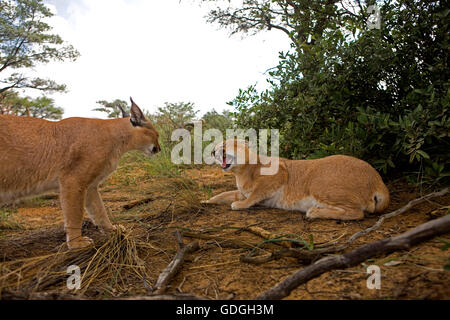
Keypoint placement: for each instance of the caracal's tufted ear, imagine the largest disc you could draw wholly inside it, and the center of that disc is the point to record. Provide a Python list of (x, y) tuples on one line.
[(137, 116)]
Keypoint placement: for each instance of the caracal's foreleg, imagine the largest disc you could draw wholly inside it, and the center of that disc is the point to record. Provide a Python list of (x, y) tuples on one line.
[(336, 213), (96, 209), (225, 198), (72, 196), (261, 192)]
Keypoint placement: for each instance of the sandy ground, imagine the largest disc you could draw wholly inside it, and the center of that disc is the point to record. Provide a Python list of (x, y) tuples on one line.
[(215, 271)]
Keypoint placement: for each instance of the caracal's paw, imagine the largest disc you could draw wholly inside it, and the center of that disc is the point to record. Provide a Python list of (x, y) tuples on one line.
[(81, 242), (112, 228), (239, 205), (119, 227), (205, 202), (311, 214)]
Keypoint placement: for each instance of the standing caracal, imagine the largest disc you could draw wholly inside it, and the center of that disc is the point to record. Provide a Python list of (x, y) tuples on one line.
[(73, 156)]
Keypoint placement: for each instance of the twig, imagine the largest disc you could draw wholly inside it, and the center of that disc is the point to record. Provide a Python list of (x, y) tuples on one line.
[(179, 239), (172, 268), (146, 285), (13, 295), (266, 235), (181, 285), (214, 265), (224, 242), (304, 256), (402, 242), (133, 204), (309, 256), (397, 212)]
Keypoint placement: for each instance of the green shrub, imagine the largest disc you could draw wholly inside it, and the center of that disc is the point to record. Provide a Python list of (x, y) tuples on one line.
[(381, 95)]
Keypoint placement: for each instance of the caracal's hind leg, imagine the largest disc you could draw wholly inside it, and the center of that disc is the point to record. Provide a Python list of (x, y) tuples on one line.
[(225, 198), (96, 209), (72, 203), (336, 213)]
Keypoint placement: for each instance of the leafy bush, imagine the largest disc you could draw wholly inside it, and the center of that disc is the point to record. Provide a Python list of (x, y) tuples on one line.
[(214, 120), (381, 94)]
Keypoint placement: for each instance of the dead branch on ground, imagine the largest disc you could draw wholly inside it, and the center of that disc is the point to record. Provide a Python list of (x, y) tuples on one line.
[(266, 235), (308, 256), (303, 256), (395, 213), (133, 204), (404, 241), (12, 295), (222, 242), (172, 268)]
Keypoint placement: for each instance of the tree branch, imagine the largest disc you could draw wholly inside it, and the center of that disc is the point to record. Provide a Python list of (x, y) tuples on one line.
[(404, 241), (308, 256), (172, 268)]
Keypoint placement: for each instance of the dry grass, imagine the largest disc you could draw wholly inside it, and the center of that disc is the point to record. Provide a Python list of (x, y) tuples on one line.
[(126, 263), (107, 268)]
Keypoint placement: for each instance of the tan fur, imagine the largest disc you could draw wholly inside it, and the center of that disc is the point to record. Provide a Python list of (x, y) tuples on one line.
[(334, 187), (72, 156)]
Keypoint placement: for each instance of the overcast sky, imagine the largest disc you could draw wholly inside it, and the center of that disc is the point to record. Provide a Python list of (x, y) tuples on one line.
[(156, 52)]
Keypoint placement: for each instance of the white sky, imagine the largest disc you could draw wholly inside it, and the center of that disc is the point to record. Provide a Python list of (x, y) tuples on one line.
[(156, 52)]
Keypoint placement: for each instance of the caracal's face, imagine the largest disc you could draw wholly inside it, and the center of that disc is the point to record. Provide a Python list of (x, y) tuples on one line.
[(148, 139), (231, 154), (150, 144), (144, 136)]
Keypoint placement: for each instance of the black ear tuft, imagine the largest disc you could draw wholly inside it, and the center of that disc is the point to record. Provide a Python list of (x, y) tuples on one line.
[(124, 113)]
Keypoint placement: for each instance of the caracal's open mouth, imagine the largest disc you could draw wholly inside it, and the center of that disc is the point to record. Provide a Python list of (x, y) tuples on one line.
[(224, 164)]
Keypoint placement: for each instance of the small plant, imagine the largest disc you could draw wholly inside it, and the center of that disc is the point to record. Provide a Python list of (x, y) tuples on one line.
[(7, 221)]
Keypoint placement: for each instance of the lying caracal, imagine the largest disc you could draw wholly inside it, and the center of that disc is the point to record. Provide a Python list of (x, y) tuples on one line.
[(73, 156), (334, 187)]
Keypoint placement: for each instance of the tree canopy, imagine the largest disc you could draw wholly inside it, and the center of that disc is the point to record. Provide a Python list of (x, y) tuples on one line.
[(112, 109), (41, 107), (26, 41), (381, 94), (221, 121)]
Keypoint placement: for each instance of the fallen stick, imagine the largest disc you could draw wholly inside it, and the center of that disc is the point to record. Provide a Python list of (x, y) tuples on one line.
[(14, 295), (402, 242), (266, 235), (223, 242), (133, 204), (172, 268), (303, 256), (397, 212), (311, 255), (10, 295)]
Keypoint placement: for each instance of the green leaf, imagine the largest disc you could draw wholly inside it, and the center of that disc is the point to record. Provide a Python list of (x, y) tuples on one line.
[(423, 154)]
